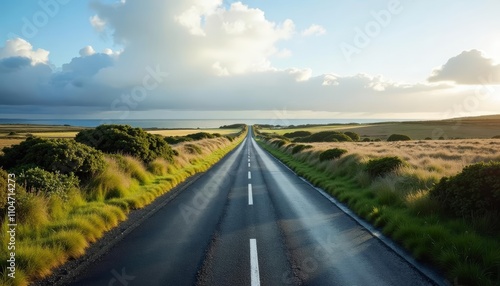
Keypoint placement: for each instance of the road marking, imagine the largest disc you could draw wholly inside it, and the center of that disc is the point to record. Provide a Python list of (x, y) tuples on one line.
[(254, 264), (248, 159), (250, 195), (248, 165), (249, 175)]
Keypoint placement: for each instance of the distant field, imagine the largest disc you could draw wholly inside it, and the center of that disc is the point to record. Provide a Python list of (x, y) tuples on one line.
[(184, 132), (16, 133), (464, 128)]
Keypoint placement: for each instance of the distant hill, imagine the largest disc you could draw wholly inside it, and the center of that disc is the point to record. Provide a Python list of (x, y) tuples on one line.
[(474, 118)]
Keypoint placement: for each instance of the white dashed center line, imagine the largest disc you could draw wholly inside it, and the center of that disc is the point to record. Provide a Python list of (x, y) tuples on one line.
[(254, 264), (250, 195)]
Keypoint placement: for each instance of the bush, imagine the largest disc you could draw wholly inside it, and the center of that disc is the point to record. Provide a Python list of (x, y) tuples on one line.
[(298, 148), (126, 140), (325, 136), (177, 139), (354, 136), (279, 143), (331, 154), (496, 137), (366, 140), (200, 136), (297, 134), (382, 166), (474, 192), (398, 137), (39, 180), (63, 155)]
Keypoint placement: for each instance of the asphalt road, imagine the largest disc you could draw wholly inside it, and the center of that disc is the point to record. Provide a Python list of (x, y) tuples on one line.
[(251, 221)]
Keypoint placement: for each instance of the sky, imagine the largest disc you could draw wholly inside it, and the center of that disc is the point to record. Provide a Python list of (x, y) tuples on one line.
[(155, 59)]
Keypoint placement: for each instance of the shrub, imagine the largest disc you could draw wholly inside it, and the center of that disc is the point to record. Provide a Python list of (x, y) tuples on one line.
[(39, 180), (200, 136), (279, 143), (325, 136), (297, 134), (177, 139), (126, 140), (496, 137), (331, 154), (354, 136), (474, 192), (298, 148), (366, 139), (398, 137), (382, 166), (63, 155)]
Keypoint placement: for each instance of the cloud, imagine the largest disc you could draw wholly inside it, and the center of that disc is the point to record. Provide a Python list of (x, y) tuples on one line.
[(13, 64), (98, 23), (196, 55), (314, 30), (20, 48), (470, 68), (87, 51)]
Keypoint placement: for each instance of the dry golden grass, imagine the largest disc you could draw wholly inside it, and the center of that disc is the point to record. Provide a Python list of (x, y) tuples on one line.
[(7, 142), (436, 158)]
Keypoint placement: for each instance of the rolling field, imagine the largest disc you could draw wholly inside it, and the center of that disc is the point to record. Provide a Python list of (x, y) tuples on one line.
[(16, 133), (478, 127)]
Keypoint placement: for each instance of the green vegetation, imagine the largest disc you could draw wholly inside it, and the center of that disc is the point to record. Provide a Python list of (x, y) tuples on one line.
[(296, 134), (124, 139), (354, 136), (299, 148), (59, 215), (398, 137), (51, 183), (472, 194), (331, 154), (325, 136), (383, 166), (63, 155), (466, 250)]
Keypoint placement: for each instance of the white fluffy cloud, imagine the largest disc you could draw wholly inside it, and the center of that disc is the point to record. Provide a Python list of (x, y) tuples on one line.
[(470, 67), (87, 51), (20, 48), (98, 23), (198, 55), (314, 30)]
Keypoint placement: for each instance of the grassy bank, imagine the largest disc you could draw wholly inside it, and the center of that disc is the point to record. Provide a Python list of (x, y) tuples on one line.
[(53, 229), (398, 203)]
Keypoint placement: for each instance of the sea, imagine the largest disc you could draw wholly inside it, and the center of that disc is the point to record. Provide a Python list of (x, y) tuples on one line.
[(188, 123)]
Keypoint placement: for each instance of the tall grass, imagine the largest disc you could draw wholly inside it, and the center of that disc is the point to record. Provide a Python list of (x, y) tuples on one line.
[(399, 203), (52, 230)]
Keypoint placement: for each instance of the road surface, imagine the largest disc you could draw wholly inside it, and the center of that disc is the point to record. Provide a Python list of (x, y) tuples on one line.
[(250, 221)]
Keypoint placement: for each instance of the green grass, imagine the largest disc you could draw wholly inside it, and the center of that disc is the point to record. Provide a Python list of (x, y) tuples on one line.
[(410, 218), (52, 231)]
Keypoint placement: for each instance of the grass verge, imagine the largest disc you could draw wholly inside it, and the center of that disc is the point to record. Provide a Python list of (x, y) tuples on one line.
[(465, 255), (52, 230)]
